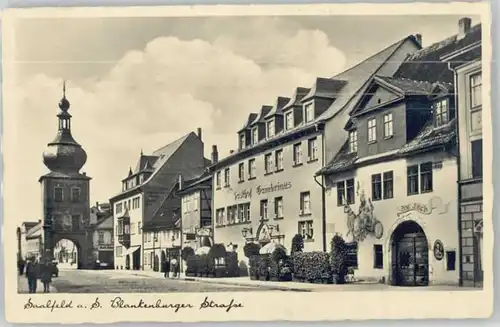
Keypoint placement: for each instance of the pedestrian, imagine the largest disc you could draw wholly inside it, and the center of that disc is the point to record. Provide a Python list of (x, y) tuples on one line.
[(166, 268), (46, 275), (174, 267), (20, 265), (32, 274)]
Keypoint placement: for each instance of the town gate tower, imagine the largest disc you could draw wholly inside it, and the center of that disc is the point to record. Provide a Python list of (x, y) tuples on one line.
[(65, 192)]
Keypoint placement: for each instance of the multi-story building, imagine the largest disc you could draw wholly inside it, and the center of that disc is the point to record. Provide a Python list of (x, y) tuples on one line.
[(34, 241), (22, 242), (466, 62), (388, 189), (102, 240), (265, 192), (147, 190), (196, 209)]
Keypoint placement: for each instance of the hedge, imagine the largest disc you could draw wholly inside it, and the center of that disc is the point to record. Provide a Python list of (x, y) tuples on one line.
[(312, 266), (204, 266), (253, 263)]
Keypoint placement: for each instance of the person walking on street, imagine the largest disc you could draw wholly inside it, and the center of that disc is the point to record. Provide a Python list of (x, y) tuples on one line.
[(46, 275), (174, 267), (20, 265), (32, 274), (166, 268)]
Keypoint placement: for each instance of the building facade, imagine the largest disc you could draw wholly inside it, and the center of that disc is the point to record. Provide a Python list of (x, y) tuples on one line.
[(388, 188), (33, 245), (466, 63), (266, 191), (22, 242), (65, 191), (103, 241), (196, 210), (149, 197)]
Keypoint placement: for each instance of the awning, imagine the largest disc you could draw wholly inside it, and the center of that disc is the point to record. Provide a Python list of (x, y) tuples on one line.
[(270, 247), (132, 249)]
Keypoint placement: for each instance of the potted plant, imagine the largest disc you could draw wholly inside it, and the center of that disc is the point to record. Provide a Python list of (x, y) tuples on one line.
[(338, 262)]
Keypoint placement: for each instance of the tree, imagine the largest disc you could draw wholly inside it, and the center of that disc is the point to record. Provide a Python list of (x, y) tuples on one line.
[(338, 258), (297, 244)]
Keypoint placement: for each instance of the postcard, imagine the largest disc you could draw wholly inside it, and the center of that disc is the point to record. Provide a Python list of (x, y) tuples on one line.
[(247, 163)]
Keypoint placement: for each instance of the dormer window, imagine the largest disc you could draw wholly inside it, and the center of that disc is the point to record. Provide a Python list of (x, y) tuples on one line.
[(289, 120), (255, 135), (353, 141), (242, 141), (309, 112), (270, 128), (441, 112)]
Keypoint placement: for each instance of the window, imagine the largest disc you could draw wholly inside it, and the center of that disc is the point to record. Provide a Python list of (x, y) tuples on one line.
[(476, 90), (477, 158), (312, 150), (308, 112), (218, 179), (378, 256), (297, 154), (345, 192), (388, 185), (352, 255), (226, 177), (75, 194), (263, 210), (412, 176), (278, 207), (353, 141), (119, 208), (372, 130), (232, 213), (135, 203), (268, 163), (289, 120), (255, 135), (388, 132), (279, 160), (244, 212), (251, 168), (242, 141), (270, 128), (219, 219), (441, 112), (100, 238), (306, 229), (126, 229), (376, 187), (58, 194), (75, 222), (118, 251), (241, 172), (305, 203), (451, 258), (426, 177)]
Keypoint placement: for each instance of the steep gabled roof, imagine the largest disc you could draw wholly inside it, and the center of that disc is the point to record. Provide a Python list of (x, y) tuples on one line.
[(262, 114), (298, 94), (325, 88), (248, 122), (145, 162), (276, 110), (167, 214)]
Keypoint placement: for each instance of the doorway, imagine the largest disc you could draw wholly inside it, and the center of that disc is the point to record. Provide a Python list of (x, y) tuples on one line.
[(136, 259), (410, 255), (127, 262)]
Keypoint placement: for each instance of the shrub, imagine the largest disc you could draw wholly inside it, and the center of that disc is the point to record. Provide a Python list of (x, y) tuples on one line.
[(274, 270), (186, 252), (217, 251), (338, 256), (203, 264), (311, 266), (278, 254), (254, 262), (191, 264), (232, 267), (251, 249), (297, 244), (264, 266)]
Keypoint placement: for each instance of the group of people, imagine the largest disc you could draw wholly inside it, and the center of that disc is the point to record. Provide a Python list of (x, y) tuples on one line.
[(170, 266), (34, 269)]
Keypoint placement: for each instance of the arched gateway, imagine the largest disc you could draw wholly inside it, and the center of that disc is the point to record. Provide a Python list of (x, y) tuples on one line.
[(410, 255), (65, 192)]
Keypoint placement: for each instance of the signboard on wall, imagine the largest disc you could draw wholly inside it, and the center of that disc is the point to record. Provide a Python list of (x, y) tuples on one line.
[(246, 194)]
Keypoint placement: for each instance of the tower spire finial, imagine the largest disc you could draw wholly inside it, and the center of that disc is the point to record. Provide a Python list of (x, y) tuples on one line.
[(64, 88)]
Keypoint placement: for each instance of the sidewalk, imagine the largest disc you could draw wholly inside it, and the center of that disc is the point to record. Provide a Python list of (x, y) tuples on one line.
[(22, 285)]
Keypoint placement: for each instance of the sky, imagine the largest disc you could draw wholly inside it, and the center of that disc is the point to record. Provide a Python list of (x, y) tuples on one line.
[(139, 83)]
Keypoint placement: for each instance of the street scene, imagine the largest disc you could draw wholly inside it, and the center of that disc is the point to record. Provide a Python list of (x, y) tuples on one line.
[(205, 160)]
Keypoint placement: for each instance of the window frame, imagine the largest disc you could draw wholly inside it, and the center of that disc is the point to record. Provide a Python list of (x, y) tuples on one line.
[(388, 126), (473, 88), (476, 167), (303, 196), (312, 149), (376, 185), (372, 129), (306, 229), (415, 176), (277, 201), (378, 256), (427, 173), (268, 163), (264, 210), (278, 158), (387, 178), (308, 106), (270, 128), (353, 141), (297, 154), (241, 172), (287, 125), (442, 117), (252, 169), (56, 198), (227, 177)]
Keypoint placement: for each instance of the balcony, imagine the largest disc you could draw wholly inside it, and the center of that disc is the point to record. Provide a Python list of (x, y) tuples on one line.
[(123, 232)]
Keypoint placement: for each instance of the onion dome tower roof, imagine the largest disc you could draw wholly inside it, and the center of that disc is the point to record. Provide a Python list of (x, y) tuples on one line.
[(64, 154)]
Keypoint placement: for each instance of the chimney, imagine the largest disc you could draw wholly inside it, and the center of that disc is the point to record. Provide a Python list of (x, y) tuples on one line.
[(97, 204), (84, 174), (464, 26), (231, 151), (215, 154), (181, 182), (199, 133), (418, 37)]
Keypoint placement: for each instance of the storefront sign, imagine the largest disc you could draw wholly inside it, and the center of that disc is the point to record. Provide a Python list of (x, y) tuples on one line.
[(246, 194), (435, 203), (438, 250), (273, 187)]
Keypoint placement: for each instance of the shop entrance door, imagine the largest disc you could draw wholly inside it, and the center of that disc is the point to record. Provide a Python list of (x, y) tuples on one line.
[(411, 266)]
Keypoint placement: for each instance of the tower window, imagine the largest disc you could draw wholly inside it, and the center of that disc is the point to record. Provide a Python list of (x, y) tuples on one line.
[(58, 194), (75, 194)]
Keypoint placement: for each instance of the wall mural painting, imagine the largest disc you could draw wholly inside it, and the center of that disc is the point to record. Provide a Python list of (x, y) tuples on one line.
[(363, 223)]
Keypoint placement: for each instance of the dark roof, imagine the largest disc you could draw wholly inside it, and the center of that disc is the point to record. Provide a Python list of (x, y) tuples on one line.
[(280, 103), (343, 159), (68, 175), (298, 94), (248, 122), (408, 86), (167, 214), (262, 114), (196, 181), (29, 224), (145, 163), (427, 65), (431, 136), (325, 88)]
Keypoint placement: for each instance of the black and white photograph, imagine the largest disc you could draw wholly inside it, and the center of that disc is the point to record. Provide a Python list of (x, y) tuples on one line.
[(260, 153)]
